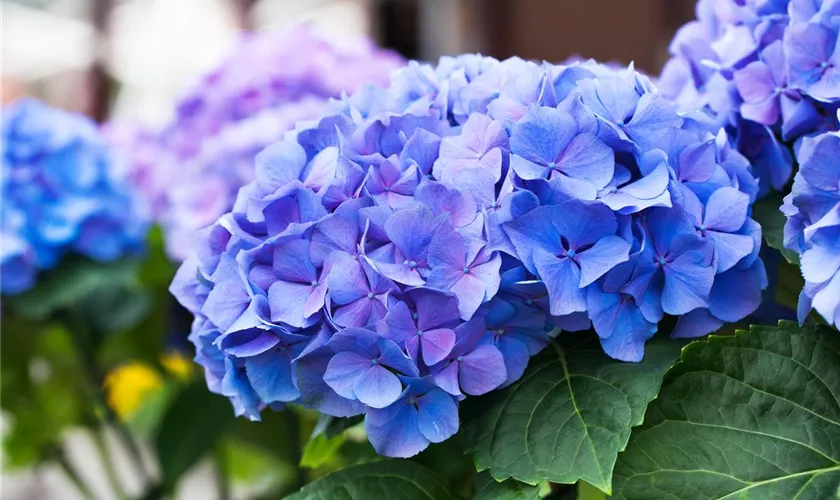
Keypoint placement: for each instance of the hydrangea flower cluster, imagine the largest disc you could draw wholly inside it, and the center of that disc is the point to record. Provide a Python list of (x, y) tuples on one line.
[(767, 70), (192, 169), (813, 225), (417, 244), (61, 192)]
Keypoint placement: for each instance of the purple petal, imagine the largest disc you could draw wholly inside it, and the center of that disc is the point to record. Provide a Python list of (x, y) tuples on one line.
[(436, 345), (343, 370), (377, 387), (562, 279), (726, 209), (482, 370), (399, 437), (608, 252)]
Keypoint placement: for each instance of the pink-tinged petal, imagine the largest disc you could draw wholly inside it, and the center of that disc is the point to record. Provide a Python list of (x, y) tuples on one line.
[(436, 345), (357, 313), (399, 324), (482, 370), (470, 292), (755, 82), (765, 112), (377, 387), (447, 378)]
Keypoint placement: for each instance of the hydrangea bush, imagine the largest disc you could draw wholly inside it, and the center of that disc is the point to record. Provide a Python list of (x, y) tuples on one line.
[(418, 243), (192, 169), (61, 192), (769, 72)]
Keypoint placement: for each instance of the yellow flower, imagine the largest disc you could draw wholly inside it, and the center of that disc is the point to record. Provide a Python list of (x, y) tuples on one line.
[(176, 364), (127, 386)]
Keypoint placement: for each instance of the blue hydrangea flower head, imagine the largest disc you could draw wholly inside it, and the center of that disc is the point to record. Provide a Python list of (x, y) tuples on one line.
[(62, 192), (813, 224), (417, 244)]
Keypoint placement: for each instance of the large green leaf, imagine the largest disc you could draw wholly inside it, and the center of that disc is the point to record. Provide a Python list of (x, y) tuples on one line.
[(487, 488), (568, 416), (190, 428), (766, 212), (400, 479), (750, 416)]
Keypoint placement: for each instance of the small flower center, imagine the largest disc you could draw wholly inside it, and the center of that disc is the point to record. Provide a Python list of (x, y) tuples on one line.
[(460, 358), (552, 165), (314, 283), (466, 270), (620, 123), (374, 361), (414, 316), (500, 331), (661, 261), (613, 189), (702, 227), (370, 296), (571, 254), (411, 401), (824, 65), (387, 188), (412, 264), (529, 301), (419, 333)]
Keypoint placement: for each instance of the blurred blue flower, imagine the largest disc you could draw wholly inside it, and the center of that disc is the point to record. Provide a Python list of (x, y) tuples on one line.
[(62, 193)]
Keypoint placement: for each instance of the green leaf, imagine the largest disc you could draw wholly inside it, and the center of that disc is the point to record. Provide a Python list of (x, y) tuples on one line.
[(750, 416), (568, 416), (321, 450), (74, 280), (191, 427), (400, 479), (766, 212), (333, 426), (487, 488)]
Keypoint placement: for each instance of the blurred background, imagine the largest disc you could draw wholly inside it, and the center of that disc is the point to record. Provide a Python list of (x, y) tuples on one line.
[(133, 58), (114, 58)]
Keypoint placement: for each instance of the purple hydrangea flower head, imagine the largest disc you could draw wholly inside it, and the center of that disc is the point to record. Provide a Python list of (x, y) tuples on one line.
[(62, 192), (192, 168), (769, 72), (417, 244)]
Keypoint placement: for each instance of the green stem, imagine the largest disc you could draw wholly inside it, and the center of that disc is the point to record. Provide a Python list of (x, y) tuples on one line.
[(293, 436), (221, 465), (72, 475), (83, 342), (107, 464)]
